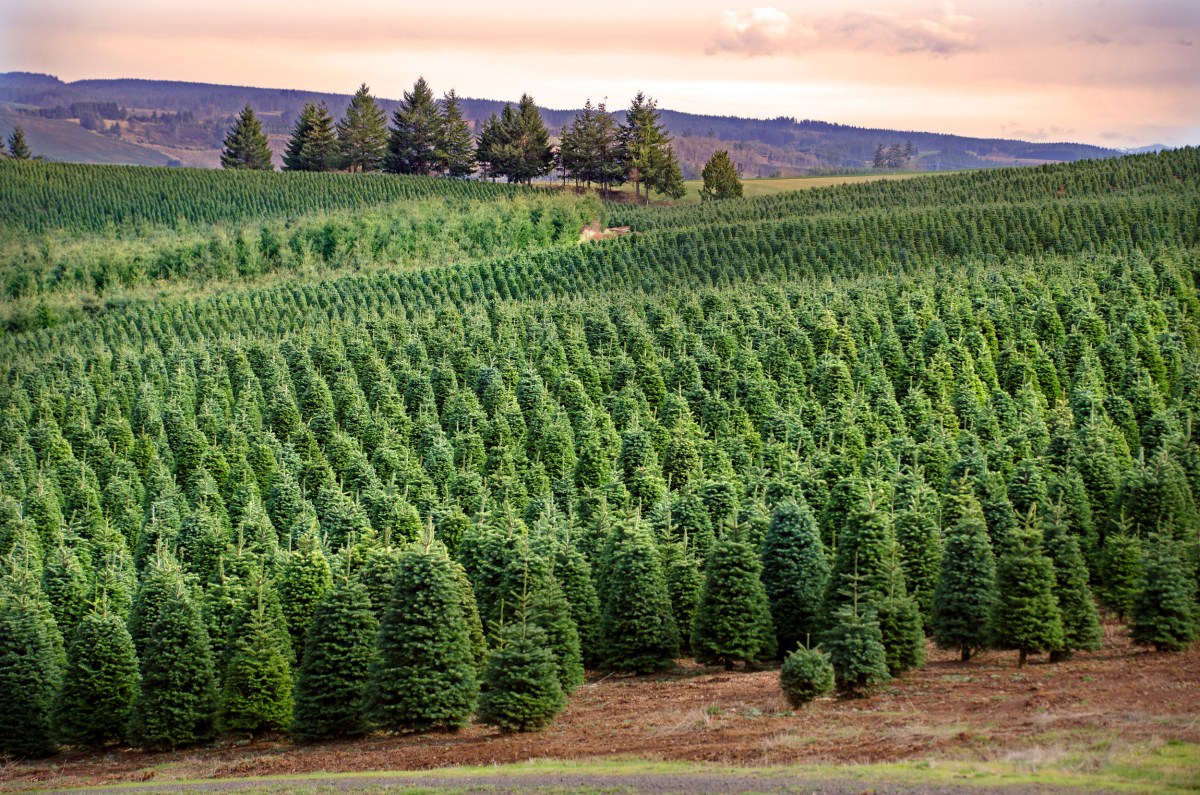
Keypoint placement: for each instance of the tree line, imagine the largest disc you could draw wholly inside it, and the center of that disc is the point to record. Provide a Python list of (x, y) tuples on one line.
[(430, 137)]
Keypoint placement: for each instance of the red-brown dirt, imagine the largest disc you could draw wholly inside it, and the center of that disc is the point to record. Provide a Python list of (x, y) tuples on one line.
[(984, 709)]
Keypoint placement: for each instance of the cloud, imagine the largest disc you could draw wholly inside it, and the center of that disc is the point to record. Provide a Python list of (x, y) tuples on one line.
[(759, 31), (876, 30), (1015, 130)]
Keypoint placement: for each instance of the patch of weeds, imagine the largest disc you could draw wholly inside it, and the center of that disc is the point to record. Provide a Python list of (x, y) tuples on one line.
[(713, 709)]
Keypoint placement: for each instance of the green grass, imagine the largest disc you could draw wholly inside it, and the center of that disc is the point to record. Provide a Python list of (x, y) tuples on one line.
[(770, 186), (1171, 767)]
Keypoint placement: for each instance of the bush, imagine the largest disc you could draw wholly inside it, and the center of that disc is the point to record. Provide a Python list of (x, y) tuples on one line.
[(806, 674)]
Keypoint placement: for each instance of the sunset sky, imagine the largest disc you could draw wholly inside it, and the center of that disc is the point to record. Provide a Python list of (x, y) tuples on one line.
[(1117, 72)]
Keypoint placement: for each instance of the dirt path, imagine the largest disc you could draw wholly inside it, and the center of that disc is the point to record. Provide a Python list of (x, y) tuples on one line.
[(1094, 708)]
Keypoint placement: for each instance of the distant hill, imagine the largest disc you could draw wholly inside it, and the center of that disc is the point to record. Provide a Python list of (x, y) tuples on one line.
[(59, 139), (185, 122)]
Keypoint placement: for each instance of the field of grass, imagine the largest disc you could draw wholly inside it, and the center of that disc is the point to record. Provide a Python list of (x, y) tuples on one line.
[(769, 186)]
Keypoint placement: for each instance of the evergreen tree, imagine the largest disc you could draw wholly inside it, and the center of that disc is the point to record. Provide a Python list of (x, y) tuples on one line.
[(900, 621), (863, 547), (647, 146), (257, 686), (65, 584), (99, 683), (456, 146), (1081, 623), (806, 674), (916, 528), (733, 619), (470, 610), (685, 581), (332, 680), (1027, 617), (964, 599), (521, 690), (362, 133), (416, 132), (721, 178), (1164, 605), (574, 574), (517, 144), (30, 675), (176, 701), (795, 571), (304, 580), (424, 675), (18, 147), (313, 145), (855, 646), (246, 145), (637, 631), (1121, 568)]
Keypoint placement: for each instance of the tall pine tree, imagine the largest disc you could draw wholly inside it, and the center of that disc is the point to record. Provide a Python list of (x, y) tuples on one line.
[(246, 146)]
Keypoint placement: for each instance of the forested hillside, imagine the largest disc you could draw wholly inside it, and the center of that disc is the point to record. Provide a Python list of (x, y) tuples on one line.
[(314, 453), (185, 119)]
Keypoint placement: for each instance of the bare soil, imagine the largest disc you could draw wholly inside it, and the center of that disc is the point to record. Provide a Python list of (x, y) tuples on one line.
[(986, 709)]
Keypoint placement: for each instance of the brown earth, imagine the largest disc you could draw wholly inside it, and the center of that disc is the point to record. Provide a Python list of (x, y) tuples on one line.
[(987, 709), (594, 231)]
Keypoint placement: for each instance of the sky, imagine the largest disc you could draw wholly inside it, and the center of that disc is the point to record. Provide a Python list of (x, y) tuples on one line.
[(1119, 73)]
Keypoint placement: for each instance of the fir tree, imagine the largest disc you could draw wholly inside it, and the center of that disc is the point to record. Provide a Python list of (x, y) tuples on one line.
[(795, 571), (304, 580), (456, 146), (1027, 617), (964, 599), (521, 690), (256, 690), (733, 619), (920, 542), (30, 675), (99, 683), (900, 620), (855, 646), (313, 145), (18, 147), (721, 178), (806, 674), (470, 611), (1121, 568), (574, 574), (415, 134), (362, 133), (637, 631), (246, 145), (424, 675), (65, 584), (1163, 612), (1081, 623), (176, 701), (332, 680), (862, 552), (685, 581)]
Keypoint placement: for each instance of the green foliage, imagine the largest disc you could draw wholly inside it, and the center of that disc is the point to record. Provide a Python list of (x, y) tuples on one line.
[(520, 690), (1027, 616), (302, 583), (637, 630), (856, 652), (806, 674), (246, 145), (30, 675), (415, 134), (1080, 620), (313, 145), (1121, 569), (965, 597), (516, 145), (721, 178), (176, 703), (1163, 612), (256, 691), (99, 682), (794, 573), (733, 619), (424, 675), (18, 147), (332, 680), (362, 133)]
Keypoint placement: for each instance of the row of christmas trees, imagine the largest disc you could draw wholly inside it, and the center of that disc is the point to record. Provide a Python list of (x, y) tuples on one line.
[(431, 137), (306, 649)]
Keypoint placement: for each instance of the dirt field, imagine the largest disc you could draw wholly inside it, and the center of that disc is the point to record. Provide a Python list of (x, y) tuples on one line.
[(1091, 707)]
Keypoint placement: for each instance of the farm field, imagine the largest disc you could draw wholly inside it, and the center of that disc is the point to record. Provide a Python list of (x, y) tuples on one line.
[(1119, 718), (305, 474), (767, 186)]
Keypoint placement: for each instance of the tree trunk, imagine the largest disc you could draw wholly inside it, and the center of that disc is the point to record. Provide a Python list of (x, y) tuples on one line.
[(1021, 659), (966, 653), (728, 664)]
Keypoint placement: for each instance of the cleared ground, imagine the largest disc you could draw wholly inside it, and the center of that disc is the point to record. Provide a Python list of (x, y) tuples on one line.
[(1118, 718)]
